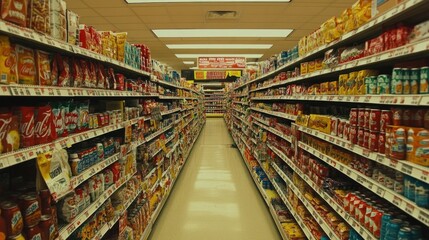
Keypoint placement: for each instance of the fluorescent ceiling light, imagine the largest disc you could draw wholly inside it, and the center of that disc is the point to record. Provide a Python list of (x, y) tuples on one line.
[(205, 33), (189, 62), (219, 46), (193, 68), (218, 55), (205, 1)]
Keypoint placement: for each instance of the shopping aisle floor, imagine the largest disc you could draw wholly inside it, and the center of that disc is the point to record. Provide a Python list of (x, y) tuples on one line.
[(215, 197)]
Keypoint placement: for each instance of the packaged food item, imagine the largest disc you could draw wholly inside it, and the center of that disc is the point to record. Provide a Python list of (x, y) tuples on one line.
[(83, 116), (26, 65), (64, 77), (72, 27), (13, 218), (101, 77), (383, 84), (39, 10), (9, 132), (121, 38), (85, 40), (30, 209), (55, 170), (418, 146), (15, 11), (27, 126), (420, 31), (44, 74), (72, 117), (76, 73), (423, 86), (58, 19), (92, 75), (5, 122), (33, 233), (44, 126), (396, 142), (8, 61), (47, 227), (58, 118)]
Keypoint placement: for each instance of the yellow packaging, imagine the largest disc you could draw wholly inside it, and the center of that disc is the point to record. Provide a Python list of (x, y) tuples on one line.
[(333, 88), (418, 146), (351, 83), (121, 38), (320, 122), (8, 61), (324, 88), (360, 80), (302, 120), (304, 68), (302, 46), (318, 64), (342, 84), (311, 66)]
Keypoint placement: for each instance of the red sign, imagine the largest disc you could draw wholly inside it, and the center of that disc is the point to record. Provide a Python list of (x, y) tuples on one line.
[(221, 62)]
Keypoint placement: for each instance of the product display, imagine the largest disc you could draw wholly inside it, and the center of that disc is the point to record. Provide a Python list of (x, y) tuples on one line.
[(214, 102)]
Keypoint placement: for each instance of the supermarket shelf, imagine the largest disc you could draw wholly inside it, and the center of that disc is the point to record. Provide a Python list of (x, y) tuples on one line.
[(99, 235), (156, 134), (396, 199), (242, 103), (160, 149), (50, 42), (396, 11), (240, 95), (406, 100), (261, 121), (277, 114), (409, 168), (170, 111), (316, 215), (158, 210), (264, 196), (239, 110), (67, 230), (339, 209), (167, 84), (272, 130), (241, 119)]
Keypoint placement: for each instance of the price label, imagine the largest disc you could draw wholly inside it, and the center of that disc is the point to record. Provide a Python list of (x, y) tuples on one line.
[(348, 172), (397, 201), (380, 191), (409, 208), (423, 217), (70, 229), (424, 176), (393, 163), (406, 169), (380, 158), (360, 180)]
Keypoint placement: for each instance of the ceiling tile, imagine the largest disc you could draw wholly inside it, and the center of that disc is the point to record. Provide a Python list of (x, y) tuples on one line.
[(106, 3), (93, 20), (84, 12), (155, 19), (131, 26), (150, 11), (76, 4), (123, 20), (115, 12)]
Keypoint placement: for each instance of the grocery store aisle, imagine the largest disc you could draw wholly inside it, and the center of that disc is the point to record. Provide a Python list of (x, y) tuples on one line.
[(215, 197)]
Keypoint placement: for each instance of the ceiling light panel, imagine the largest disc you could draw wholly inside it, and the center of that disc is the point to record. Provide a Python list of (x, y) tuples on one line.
[(218, 55), (219, 46), (221, 33), (202, 1)]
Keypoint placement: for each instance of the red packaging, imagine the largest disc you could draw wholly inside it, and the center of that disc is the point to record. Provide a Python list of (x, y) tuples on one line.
[(373, 141), (5, 122), (382, 143), (386, 37), (366, 138), (26, 65), (15, 11), (54, 71), (360, 212), (375, 221), (392, 38), (340, 129), (402, 33), (26, 119), (385, 119), (366, 118), (361, 117), (76, 73), (354, 134), (346, 132), (84, 37), (44, 127), (360, 136), (374, 120), (353, 117), (111, 78), (397, 116), (63, 70), (101, 77), (43, 63), (92, 75), (417, 117), (121, 81), (354, 205), (406, 117), (86, 81)]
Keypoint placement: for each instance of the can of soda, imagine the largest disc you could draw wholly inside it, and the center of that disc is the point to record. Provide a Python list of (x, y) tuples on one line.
[(396, 86), (404, 233), (393, 229), (383, 84), (416, 232), (385, 220), (424, 80)]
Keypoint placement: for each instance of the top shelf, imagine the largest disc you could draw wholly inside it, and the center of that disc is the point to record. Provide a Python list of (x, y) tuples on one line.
[(372, 26)]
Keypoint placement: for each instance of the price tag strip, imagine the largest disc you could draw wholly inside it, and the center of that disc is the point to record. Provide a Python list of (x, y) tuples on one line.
[(67, 230), (277, 114), (400, 201), (276, 132)]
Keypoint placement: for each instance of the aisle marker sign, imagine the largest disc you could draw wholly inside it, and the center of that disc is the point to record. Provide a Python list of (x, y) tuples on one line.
[(221, 62)]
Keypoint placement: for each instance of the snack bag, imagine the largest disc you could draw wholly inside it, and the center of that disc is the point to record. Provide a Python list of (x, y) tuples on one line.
[(58, 118), (9, 132), (44, 125), (92, 75), (26, 65), (14, 11), (39, 13), (76, 73), (8, 60), (86, 82), (121, 38), (120, 81), (111, 78), (83, 116), (63, 71), (54, 71), (71, 117), (27, 125), (101, 77), (72, 27), (5, 122), (44, 74), (55, 170)]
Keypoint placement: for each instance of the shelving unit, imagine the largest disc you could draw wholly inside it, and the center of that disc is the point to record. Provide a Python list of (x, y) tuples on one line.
[(214, 102), (266, 102)]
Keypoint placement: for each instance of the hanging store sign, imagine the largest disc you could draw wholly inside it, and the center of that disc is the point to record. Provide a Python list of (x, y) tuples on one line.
[(221, 62), (215, 75)]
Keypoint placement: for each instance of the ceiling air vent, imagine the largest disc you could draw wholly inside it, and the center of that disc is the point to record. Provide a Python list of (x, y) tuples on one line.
[(222, 15)]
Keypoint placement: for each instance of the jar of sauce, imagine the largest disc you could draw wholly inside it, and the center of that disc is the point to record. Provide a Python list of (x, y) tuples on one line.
[(16, 237), (47, 227), (3, 229), (33, 233), (30, 210), (13, 218)]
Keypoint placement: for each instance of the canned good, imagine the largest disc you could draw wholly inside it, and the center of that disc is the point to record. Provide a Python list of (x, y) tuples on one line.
[(383, 84), (404, 233), (386, 118), (353, 117), (354, 134), (47, 227), (373, 141), (417, 117), (422, 194), (388, 181), (346, 133), (424, 80), (30, 210), (16, 237), (382, 143), (396, 86), (397, 116), (371, 85), (366, 118), (398, 187), (361, 117), (366, 134), (416, 232), (393, 228), (374, 119), (381, 178), (385, 220), (33, 233), (360, 136), (409, 187), (13, 218)]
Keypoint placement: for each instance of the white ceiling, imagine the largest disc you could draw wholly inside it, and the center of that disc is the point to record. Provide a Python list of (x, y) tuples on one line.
[(304, 16)]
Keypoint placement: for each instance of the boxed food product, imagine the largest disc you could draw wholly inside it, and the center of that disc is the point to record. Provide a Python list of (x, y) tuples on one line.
[(121, 38), (26, 65), (351, 83), (320, 122), (39, 10), (342, 83), (43, 61), (420, 31), (15, 11), (304, 68), (58, 18), (72, 27), (8, 61)]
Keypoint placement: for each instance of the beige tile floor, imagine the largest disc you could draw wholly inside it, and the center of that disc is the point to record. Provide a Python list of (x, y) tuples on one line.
[(215, 197)]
